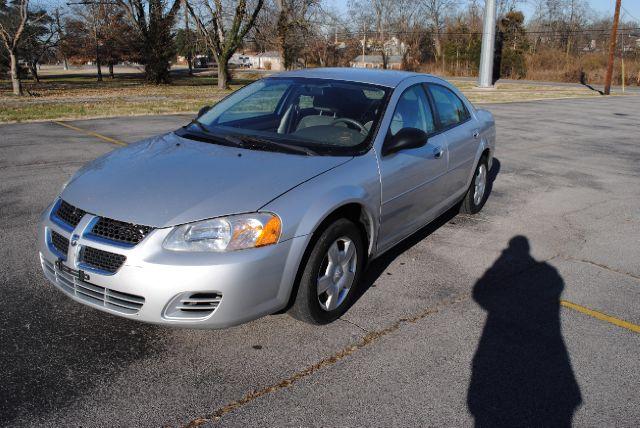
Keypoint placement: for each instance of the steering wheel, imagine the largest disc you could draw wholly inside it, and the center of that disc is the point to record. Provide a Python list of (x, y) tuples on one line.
[(353, 122)]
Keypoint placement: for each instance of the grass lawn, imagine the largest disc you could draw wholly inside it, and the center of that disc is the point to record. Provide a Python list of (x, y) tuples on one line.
[(68, 96)]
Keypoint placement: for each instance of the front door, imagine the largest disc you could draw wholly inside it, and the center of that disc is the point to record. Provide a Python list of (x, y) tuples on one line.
[(412, 179)]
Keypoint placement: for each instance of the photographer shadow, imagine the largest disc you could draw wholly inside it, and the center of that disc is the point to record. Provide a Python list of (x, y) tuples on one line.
[(521, 371)]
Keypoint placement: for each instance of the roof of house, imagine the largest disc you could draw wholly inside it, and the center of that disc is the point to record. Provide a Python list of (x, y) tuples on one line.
[(390, 78)]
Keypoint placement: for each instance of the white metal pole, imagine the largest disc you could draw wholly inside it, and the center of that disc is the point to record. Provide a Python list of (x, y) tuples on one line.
[(488, 45)]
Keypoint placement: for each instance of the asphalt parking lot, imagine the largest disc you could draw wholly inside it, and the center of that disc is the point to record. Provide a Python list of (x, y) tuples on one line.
[(499, 318)]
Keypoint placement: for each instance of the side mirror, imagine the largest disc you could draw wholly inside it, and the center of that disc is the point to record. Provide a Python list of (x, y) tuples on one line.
[(203, 110), (406, 138)]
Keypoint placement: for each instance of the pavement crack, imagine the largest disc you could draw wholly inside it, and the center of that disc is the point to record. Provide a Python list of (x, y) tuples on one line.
[(605, 267), (368, 339), (354, 324)]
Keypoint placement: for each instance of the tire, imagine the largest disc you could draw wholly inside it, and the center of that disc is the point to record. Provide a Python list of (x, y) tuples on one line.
[(471, 203), (313, 306)]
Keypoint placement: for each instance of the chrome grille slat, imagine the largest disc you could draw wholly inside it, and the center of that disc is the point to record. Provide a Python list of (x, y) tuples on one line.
[(92, 287), (126, 297), (193, 306), (91, 293), (121, 304), (201, 300)]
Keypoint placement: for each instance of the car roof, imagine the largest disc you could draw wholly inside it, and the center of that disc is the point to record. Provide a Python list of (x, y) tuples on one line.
[(389, 78)]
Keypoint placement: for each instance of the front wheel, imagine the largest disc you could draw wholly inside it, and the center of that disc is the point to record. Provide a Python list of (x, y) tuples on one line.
[(476, 196), (330, 275)]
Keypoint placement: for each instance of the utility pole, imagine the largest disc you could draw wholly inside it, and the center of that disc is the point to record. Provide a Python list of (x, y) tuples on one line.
[(364, 42), (488, 45), (612, 49)]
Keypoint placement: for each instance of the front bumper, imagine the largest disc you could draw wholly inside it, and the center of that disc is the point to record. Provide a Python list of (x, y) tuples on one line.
[(241, 285)]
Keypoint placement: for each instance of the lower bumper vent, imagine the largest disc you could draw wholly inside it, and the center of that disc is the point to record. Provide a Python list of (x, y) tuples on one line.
[(94, 294), (193, 306)]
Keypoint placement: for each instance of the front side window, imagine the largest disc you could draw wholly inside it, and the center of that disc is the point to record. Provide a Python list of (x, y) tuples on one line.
[(451, 109), (413, 111), (314, 113)]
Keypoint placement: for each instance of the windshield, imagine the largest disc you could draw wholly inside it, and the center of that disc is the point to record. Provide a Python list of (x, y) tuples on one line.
[(322, 115)]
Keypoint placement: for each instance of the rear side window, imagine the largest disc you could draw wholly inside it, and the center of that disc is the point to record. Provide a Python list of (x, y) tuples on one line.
[(413, 111), (451, 109)]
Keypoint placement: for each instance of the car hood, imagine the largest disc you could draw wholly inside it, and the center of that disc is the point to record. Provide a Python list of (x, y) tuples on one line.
[(168, 180)]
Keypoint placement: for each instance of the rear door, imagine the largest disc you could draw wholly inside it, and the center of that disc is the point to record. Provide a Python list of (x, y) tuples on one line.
[(462, 135), (412, 180)]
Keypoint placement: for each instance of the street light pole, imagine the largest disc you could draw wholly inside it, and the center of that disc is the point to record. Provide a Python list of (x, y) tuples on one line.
[(488, 45)]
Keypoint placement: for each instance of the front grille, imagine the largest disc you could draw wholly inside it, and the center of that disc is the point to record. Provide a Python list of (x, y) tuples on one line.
[(99, 296), (193, 305), (119, 231), (69, 214), (103, 260), (59, 242)]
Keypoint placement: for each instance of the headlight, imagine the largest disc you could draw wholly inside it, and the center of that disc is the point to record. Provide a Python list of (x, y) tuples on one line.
[(225, 233)]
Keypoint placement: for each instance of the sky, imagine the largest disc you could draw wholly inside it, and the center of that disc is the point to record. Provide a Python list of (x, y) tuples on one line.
[(601, 7)]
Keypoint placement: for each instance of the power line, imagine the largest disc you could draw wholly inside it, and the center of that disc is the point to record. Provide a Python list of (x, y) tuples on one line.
[(627, 12), (474, 33)]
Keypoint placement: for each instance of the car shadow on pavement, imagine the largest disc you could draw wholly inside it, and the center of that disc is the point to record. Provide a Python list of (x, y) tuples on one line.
[(378, 266), (521, 371)]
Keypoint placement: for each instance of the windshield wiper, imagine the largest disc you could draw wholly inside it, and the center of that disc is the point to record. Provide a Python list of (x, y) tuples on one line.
[(213, 138), (291, 148), (199, 124)]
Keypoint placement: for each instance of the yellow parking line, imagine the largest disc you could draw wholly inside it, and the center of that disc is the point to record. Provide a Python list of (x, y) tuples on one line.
[(91, 133), (602, 317)]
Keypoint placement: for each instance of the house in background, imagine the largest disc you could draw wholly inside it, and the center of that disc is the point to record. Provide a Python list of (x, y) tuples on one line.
[(270, 60), (394, 62), (240, 60)]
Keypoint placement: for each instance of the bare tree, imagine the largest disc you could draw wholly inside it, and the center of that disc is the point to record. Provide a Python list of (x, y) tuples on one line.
[(154, 21), (40, 40), (295, 21), (224, 39), (93, 16), (14, 20), (61, 34), (436, 10)]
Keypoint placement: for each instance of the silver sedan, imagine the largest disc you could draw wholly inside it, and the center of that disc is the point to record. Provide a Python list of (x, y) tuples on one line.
[(273, 199)]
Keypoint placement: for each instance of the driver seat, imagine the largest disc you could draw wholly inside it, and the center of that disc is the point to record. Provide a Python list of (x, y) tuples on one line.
[(327, 109)]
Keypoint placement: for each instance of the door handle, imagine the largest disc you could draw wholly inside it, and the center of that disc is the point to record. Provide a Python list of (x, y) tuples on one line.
[(476, 134), (438, 152)]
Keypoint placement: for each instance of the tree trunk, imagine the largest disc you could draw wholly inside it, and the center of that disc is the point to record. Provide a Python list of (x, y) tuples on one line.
[(33, 68), (111, 75), (190, 64), (223, 73), (437, 45), (15, 78), (99, 69), (66, 63)]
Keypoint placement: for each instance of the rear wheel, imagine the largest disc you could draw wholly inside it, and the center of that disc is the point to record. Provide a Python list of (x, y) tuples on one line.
[(477, 194), (330, 275)]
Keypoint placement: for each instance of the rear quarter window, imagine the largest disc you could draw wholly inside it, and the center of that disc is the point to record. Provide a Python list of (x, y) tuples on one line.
[(451, 109)]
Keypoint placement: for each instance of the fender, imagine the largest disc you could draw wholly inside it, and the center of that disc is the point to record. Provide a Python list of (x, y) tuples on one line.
[(305, 207)]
